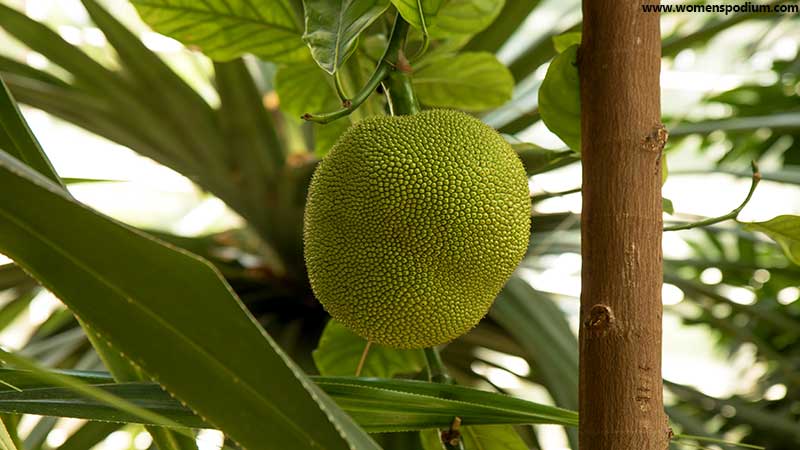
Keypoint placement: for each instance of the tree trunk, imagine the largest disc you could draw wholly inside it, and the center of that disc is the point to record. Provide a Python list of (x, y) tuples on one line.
[(619, 61)]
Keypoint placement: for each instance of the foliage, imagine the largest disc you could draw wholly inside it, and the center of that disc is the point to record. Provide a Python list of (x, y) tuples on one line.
[(189, 316)]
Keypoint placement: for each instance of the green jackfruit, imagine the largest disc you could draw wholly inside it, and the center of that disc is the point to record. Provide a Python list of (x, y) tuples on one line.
[(413, 224)]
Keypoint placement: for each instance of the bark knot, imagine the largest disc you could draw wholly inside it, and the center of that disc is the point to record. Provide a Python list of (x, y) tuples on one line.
[(655, 141), (600, 318)]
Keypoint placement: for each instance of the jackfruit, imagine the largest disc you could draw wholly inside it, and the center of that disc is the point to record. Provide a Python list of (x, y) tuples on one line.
[(413, 224)]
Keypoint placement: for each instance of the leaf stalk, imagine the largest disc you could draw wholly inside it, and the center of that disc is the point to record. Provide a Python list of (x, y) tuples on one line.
[(386, 65)]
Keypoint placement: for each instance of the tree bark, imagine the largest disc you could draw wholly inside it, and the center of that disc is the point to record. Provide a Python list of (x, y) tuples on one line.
[(619, 61)]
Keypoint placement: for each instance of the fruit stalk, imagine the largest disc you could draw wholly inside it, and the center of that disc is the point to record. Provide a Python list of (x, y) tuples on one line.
[(621, 406), (402, 100)]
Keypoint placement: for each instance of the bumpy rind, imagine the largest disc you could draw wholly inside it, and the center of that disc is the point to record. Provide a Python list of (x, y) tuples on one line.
[(413, 224)]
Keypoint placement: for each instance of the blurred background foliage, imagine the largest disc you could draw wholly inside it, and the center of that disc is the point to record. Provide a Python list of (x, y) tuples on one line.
[(213, 157)]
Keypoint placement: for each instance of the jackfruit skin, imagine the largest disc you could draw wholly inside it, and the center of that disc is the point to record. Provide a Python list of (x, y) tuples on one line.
[(413, 224)]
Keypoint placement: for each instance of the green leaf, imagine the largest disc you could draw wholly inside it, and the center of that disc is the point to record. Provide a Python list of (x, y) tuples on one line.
[(11, 310), (465, 17), (11, 66), (253, 146), (124, 371), (64, 402), (560, 99), (785, 230), (227, 29), (379, 405), (566, 40), (340, 350), (46, 41), (304, 88), (180, 106), (17, 139), (469, 81), (112, 277), (419, 13), (333, 28), (76, 387), (492, 437), (666, 206)]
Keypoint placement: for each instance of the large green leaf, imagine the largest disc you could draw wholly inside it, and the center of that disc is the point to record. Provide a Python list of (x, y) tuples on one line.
[(470, 81), (227, 29), (419, 13), (113, 278), (785, 230), (560, 99), (457, 17), (377, 404), (340, 350), (333, 27)]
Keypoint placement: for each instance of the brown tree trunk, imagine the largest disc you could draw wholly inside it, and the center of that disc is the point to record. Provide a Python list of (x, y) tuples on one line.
[(619, 61)]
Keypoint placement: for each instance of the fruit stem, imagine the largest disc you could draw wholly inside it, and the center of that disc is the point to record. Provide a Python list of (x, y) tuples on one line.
[(436, 370), (402, 101), (387, 64), (363, 358), (437, 373)]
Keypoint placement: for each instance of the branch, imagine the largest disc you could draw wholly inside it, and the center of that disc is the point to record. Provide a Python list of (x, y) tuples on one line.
[(731, 215), (386, 64)]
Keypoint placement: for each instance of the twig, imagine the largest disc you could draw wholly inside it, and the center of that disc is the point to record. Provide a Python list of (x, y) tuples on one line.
[(386, 64), (546, 195), (731, 215), (363, 358)]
